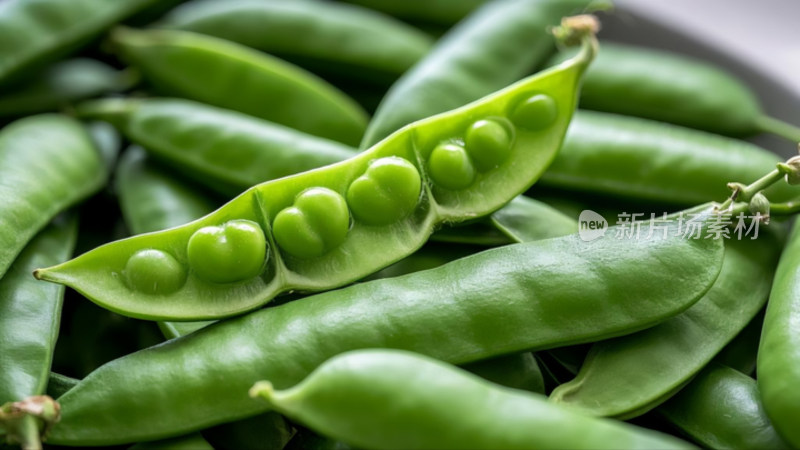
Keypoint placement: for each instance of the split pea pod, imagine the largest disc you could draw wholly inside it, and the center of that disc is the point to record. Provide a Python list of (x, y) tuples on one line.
[(778, 363), (642, 159), (673, 88), (390, 399), (721, 408), (322, 36), (47, 163), (36, 32), (30, 315), (221, 149), (287, 234), (629, 375), (515, 298), (497, 45), (61, 85), (232, 76)]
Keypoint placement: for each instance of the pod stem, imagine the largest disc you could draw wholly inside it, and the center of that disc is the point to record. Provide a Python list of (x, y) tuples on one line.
[(27, 422), (581, 29), (778, 127)]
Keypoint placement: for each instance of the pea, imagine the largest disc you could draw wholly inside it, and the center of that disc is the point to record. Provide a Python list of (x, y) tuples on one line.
[(494, 46), (628, 376), (484, 307), (674, 88), (327, 217), (353, 397), (232, 76), (450, 167), (330, 38), (721, 408), (154, 272), (223, 150), (47, 163)]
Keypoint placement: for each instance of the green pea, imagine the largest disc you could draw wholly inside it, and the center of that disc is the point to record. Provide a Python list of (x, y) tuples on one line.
[(231, 252), (390, 399), (316, 223), (387, 192), (154, 272), (451, 167), (488, 143), (535, 112)]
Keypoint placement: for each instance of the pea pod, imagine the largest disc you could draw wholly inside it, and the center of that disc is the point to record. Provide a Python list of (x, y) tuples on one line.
[(778, 364), (190, 442), (525, 219), (37, 32), (287, 234), (668, 87), (497, 45), (58, 385), (428, 404), (224, 150), (29, 319), (641, 159), (322, 36), (721, 408), (630, 375), (232, 76), (742, 352), (47, 163), (61, 85), (518, 371), (484, 307), (443, 12)]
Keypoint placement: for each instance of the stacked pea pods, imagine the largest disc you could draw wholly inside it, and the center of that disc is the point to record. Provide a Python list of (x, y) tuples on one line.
[(323, 233)]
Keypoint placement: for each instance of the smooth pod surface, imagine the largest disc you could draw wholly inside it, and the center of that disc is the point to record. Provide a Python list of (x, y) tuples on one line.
[(47, 163), (427, 404), (497, 45), (443, 12), (303, 244), (525, 219), (778, 363), (643, 159), (721, 408), (629, 375), (232, 76), (329, 37), (510, 299)]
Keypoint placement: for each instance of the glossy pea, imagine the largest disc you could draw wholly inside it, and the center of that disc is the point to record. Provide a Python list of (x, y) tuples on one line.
[(331, 38), (629, 375), (484, 307), (29, 321), (674, 88), (47, 163), (496, 45), (721, 408), (232, 76), (425, 403), (36, 32), (221, 149), (61, 85), (442, 12), (307, 222), (778, 363), (641, 159)]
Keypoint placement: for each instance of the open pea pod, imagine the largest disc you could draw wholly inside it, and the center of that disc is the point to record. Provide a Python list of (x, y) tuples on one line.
[(320, 229)]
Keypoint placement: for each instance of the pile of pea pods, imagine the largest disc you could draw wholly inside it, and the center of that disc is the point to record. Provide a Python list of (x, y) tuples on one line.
[(386, 224)]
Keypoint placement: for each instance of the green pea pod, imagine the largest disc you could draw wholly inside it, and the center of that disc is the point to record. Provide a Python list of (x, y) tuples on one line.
[(224, 150), (390, 399), (677, 89), (107, 141), (778, 363), (285, 235), (742, 352), (47, 163), (484, 307), (189, 442), (442, 12), (630, 375), (36, 32), (517, 371), (641, 159), (525, 219), (30, 314), (721, 408), (61, 85), (322, 36), (232, 76), (497, 45), (58, 385)]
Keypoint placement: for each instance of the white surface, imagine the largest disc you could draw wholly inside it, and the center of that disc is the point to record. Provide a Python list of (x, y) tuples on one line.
[(764, 33)]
